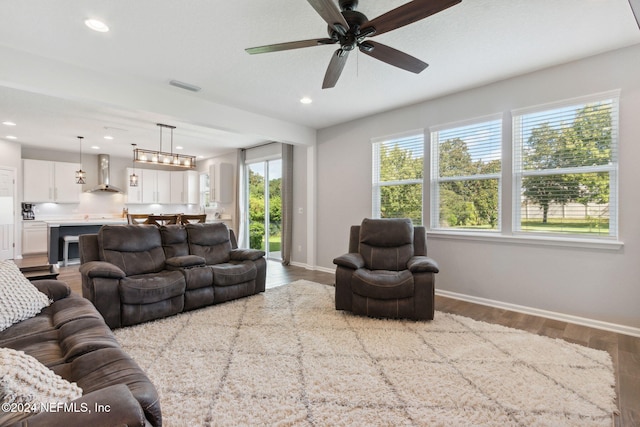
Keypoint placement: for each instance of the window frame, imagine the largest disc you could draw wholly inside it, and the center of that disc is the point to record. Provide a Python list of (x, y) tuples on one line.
[(435, 180), (377, 184), (612, 168)]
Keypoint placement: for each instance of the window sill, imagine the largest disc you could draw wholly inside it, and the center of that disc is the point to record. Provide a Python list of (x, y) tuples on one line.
[(568, 242)]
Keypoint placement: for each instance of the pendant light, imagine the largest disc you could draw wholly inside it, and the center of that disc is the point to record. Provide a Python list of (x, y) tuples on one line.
[(159, 157), (133, 178), (80, 174)]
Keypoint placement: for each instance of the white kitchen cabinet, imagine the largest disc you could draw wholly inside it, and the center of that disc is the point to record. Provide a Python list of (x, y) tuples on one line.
[(184, 187), (34, 237), (156, 186), (134, 194), (46, 181), (221, 182)]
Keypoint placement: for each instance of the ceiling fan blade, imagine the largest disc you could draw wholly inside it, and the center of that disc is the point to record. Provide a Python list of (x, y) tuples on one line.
[(392, 56), (328, 10), (334, 70), (407, 14), (289, 45)]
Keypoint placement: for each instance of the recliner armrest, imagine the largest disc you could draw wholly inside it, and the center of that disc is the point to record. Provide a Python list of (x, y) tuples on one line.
[(352, 260), (102, 269), (245, 254), (111, 406), (422, 264), (185, 261), (54, 289)]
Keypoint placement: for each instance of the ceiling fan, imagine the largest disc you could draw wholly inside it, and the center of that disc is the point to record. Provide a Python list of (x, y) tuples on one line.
[(350, 28)]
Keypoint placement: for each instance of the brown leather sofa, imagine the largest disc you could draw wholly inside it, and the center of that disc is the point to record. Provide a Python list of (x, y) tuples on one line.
[(137, 273), (71, 338), (387, 272)]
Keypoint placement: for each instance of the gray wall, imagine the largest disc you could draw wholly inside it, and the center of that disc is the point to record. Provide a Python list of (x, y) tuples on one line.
[(596, 284)]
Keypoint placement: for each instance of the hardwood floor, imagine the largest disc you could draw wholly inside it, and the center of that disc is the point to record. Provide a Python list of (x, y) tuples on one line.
[(624, 349)]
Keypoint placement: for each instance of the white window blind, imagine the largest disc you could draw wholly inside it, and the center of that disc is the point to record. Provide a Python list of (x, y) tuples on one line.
[(398, 164), (565, 164), (465, 175)]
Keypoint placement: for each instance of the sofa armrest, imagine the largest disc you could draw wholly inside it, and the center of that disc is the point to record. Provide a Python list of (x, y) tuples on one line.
[(245, 254), (54, 289), (102, 269), (184, 261), (110, 406), (352, 260), (422, 264)]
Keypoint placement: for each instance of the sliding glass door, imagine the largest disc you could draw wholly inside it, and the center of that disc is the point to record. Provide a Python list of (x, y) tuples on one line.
[(264, 184)]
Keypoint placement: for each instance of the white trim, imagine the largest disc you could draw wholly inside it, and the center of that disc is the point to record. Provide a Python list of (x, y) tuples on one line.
[(546, 240), (301, 264), (591, 323), (400, 135), (466, 122), (595, 97), (324, 269)]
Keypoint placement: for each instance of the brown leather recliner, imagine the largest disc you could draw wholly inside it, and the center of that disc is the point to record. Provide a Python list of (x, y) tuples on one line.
[(387, 272)]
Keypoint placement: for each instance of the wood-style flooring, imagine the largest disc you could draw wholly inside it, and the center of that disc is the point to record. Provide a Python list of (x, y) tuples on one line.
[(624, 349)]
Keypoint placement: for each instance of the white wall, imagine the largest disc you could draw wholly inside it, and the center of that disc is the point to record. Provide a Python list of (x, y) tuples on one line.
[(602, 285)]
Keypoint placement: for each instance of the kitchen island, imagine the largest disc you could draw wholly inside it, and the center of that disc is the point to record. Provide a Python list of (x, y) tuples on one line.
[(57, 229)]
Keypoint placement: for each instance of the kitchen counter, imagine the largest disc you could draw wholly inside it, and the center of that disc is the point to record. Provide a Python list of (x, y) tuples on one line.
[(82, 222), (58, 228)]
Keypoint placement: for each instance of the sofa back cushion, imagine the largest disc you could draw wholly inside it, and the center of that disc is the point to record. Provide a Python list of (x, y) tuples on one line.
[(386, 244), (174, 240), (135, 249), (210, 241)]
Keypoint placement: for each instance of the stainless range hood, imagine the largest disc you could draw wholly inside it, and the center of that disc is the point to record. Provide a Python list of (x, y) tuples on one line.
[(103, 177)]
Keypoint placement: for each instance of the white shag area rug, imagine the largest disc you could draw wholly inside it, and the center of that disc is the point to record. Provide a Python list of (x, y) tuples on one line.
[(288, 358)]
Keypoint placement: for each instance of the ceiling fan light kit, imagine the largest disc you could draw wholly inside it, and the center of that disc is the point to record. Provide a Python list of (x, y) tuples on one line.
[(141, 155), (350, 28)]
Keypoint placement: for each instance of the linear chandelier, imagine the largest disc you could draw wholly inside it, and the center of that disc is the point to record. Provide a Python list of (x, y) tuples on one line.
[(160, 157)]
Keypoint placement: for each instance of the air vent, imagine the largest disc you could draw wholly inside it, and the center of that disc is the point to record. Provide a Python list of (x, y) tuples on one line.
[(186, 86)]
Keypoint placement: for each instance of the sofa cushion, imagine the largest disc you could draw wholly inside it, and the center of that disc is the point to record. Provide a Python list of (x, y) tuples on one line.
[(382, 284), (210, 241), (150, 288), (24, 380), (227, 274), (174, 240), (19, 298), (135, 249)]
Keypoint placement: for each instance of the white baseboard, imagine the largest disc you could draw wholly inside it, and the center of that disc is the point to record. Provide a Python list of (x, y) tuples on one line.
[(324, 269), (301, 264), (597, 324)]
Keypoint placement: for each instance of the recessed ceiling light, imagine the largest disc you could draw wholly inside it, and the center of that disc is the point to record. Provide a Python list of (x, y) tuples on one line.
[(8, 123), (108, 137), (11, 137), (95, 147), (306, 100), (179, 147), (96, 25)]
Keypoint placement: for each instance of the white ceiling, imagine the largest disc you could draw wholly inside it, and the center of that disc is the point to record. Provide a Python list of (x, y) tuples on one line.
[(58, 79)]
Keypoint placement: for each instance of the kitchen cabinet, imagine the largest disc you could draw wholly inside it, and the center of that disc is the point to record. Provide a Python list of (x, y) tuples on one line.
[(34, 237), (185, 187), (221, 182), (46, 181), (134, 194), (156, 186)]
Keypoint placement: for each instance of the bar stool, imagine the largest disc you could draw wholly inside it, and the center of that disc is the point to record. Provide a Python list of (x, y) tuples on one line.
[(67, 240)]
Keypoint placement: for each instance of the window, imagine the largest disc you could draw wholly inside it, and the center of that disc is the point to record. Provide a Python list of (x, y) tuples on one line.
[(465, 175), (398, 165), (565, 164)]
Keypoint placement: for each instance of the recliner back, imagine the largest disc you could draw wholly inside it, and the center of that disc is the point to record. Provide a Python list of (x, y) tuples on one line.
[(174, 240), (210, 241), (386, 244), (135, 249)]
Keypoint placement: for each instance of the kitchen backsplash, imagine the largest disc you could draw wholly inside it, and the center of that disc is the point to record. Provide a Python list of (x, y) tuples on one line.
[(100, 205)]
